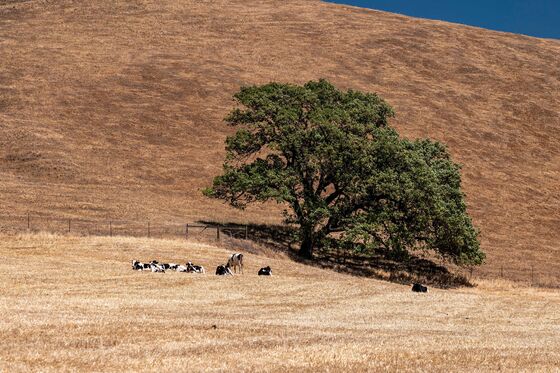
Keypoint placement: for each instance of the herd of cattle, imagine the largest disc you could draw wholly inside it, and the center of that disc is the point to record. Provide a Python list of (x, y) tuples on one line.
[(234, 262)]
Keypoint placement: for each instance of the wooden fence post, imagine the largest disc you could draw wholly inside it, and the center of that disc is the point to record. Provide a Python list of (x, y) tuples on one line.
[(69, 224), (110, 229), (28, 221), (186, 231), (148, 229), (218, 233), (246, 233)]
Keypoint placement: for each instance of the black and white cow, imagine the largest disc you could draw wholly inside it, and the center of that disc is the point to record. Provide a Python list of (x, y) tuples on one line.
[(156, 267), (194, 268), (419, 288), (265, 271), (137, 266), (223, 270), (234, 261)]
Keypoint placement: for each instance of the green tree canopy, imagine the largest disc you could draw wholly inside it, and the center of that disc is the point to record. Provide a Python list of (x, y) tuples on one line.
[(344, 174)]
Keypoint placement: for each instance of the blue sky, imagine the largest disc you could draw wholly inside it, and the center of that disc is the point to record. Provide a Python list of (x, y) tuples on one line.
[(539, 18)]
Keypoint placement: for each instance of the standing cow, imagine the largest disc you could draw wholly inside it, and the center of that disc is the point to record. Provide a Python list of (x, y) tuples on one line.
[(234, 261)]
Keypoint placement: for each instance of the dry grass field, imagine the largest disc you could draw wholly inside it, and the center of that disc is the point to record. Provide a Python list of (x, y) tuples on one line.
[(113, 109), (74, 304)]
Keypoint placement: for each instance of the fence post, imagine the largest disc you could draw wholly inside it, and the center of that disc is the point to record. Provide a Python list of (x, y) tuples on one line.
[(69, 224), (532, 274), (110, 229), (218, 233), (148, 229), (28, 221), (502, 271), (186, 231), (246, 235)]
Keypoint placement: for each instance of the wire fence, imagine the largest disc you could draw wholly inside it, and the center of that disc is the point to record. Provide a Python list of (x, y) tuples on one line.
[(78, 226), (534, 274)]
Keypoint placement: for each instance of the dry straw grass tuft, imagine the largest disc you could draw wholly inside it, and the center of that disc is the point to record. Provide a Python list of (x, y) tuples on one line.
[(73, 303)]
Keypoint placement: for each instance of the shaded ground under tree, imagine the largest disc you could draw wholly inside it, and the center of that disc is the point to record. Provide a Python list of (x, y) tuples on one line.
[(376, 265)]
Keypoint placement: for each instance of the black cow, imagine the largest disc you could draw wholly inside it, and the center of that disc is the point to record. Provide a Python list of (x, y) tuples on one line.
[(419, 288), (222, 270), (266, 271)]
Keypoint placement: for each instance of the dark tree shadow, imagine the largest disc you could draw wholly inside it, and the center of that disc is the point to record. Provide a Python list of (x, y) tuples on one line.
[(378, 265)]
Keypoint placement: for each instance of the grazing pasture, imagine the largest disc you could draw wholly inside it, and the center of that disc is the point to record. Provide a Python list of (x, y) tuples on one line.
[(75, 303)]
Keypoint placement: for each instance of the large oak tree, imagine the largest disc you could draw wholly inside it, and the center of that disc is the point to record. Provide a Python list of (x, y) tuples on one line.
[(344, 174)]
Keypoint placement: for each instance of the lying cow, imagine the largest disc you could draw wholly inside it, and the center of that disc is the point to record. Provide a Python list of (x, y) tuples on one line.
[(234, 261), (223, 270), (156, 267), (137, 266), (167, 266), (266, 271), (194, 268), (190, 268), (419, 288)]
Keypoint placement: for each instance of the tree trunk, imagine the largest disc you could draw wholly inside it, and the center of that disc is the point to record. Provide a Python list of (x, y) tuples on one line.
[(306, 248)]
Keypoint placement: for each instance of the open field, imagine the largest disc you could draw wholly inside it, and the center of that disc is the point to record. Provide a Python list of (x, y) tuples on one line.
[(73, 303), (113, 109)]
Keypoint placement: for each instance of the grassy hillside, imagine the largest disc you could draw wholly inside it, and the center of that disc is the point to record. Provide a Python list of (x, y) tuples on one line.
[(75, 304), (114, 109)]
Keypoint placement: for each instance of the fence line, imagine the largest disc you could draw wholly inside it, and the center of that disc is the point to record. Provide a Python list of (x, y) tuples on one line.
[(80, 226), (536, 276)]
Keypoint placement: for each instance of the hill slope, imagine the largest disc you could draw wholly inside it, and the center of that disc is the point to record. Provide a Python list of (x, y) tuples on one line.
[(114, 109)]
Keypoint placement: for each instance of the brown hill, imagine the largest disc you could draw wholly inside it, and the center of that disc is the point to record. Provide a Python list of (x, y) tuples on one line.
[(113, 109)]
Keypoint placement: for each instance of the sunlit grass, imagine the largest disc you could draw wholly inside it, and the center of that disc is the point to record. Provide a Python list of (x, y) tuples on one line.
[(74, 303)]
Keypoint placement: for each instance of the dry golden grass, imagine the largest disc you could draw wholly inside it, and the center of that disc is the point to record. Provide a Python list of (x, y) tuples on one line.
[(113, 109), (74, 304)]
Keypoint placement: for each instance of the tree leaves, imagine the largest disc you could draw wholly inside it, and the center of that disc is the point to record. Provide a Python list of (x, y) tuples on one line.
[(347, 176)]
